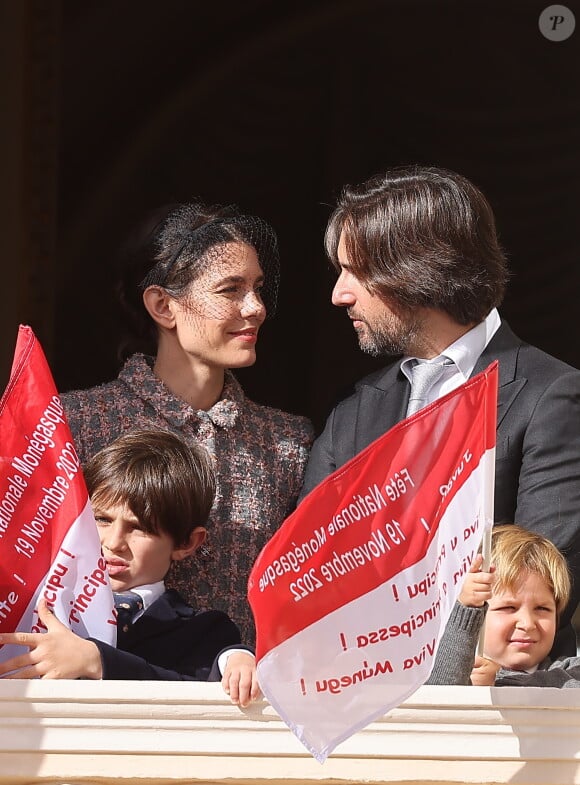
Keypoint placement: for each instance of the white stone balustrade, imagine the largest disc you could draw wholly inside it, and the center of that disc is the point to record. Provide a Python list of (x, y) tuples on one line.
[(155, 733)]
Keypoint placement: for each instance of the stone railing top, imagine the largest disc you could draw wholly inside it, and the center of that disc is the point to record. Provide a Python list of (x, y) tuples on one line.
[(165, 732)]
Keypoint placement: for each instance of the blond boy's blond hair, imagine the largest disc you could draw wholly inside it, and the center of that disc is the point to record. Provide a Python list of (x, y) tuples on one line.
[(517, 552)]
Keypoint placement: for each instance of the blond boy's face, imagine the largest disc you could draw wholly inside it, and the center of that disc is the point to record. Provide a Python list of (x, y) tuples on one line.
[(520, 625)]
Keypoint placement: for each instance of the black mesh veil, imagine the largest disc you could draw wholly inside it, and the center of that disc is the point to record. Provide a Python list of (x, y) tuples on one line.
[(198, 243)]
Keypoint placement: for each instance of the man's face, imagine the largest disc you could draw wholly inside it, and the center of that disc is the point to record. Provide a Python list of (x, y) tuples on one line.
[(382, 327)]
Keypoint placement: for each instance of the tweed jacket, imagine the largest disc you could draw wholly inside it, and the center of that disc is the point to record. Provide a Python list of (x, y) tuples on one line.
[(261, 453)]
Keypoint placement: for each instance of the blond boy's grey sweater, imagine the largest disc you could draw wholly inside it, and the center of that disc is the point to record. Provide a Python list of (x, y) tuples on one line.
[(456, 653)]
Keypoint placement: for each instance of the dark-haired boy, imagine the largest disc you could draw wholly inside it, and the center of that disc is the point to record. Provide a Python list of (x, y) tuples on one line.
[(151, 495)]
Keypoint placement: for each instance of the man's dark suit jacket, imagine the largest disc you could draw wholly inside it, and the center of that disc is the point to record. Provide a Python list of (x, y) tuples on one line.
[(172, 642), (537, 476)]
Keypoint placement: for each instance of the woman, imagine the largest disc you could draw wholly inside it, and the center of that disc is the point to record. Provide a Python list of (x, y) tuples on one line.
[(214, 274)]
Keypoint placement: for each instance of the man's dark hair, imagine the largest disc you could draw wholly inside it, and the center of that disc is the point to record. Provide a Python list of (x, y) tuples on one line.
[(167, 484), (422, 236)]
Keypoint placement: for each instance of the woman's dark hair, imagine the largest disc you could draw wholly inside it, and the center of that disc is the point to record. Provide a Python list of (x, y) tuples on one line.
[(135, 258), (422, 236), (167, 484), (173, 245)]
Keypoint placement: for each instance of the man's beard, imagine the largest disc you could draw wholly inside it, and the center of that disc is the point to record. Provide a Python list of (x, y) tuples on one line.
[(392, 337)]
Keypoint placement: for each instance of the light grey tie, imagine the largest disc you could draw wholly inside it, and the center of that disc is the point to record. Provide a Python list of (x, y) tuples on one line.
[(423, 377)]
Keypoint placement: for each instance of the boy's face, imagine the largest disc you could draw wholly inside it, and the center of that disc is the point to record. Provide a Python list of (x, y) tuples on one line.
[(520, 625), (133, 557)]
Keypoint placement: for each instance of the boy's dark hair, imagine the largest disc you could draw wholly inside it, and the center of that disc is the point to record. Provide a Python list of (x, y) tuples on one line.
[(167, 484), (422, 236)]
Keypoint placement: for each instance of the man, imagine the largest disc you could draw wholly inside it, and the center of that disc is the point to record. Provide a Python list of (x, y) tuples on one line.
[(421, 274)]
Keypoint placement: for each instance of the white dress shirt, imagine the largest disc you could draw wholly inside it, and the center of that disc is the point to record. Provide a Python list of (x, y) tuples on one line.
[(464, 354), (148, 593)]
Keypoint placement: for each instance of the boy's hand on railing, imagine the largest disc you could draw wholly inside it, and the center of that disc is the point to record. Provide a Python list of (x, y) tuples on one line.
[(240, 680)]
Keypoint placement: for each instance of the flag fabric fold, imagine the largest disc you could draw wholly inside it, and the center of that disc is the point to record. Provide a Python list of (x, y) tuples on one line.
[(351, 595), (49, 543)]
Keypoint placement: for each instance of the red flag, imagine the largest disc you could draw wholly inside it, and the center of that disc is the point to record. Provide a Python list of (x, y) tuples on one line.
[(49, 543), (352, 593)]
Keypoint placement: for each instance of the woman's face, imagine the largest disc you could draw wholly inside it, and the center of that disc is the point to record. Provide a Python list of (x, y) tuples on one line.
[(219, 318)]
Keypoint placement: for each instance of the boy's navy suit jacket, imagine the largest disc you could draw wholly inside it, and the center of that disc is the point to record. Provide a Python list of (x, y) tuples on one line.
[(172, 642)]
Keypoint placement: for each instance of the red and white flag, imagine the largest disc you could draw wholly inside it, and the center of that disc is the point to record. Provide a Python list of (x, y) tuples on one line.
[(49, 543), (352, 593)]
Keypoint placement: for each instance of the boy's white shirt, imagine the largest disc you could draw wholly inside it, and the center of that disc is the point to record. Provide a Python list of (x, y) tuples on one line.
[(151, 592)]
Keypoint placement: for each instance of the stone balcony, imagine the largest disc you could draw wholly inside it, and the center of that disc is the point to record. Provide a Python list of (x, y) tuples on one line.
[(153, 733)]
